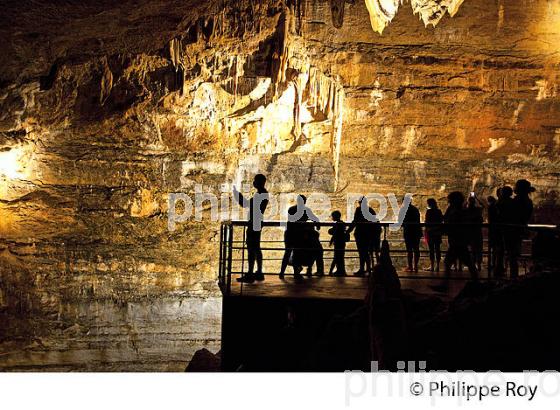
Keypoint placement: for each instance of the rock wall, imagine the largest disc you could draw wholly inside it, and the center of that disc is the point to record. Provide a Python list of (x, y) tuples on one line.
[(106, 109)]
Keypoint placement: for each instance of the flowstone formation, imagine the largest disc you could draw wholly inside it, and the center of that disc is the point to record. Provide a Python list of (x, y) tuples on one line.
[(108, 107)]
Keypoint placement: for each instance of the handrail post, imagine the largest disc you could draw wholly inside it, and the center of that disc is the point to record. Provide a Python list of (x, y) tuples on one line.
[(230, 252), (221, 279)]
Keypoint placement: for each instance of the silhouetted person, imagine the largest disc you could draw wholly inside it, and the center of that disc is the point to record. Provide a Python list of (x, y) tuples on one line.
[(522, 211), (316, 251), (339, 237), (303, 246), (454, 220), (290, 242), (412, 233), (506, 217), (434, 233), (367, 231), (256, 205), (475, 220), (494, 236), (386, 313)]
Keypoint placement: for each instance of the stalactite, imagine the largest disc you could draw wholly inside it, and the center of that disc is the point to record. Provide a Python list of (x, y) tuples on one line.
[(176, 53), (281, 54), (337, 12), (336, 139), (300, 85), (320, 92), (238, 73), (207, 27), (431, 12), (106, 82), (382, 12), (298, 10)]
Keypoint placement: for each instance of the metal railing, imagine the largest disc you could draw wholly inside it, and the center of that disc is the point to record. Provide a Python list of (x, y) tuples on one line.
[(233, 261)]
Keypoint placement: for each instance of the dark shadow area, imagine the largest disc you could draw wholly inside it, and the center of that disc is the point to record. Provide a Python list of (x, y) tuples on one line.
[(488, 326)]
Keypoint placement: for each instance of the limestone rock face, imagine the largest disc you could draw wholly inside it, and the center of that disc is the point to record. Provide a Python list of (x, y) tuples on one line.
[(106, 108)]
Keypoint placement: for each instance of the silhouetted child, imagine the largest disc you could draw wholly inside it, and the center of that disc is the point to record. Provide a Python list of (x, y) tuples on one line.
[(339, 237)]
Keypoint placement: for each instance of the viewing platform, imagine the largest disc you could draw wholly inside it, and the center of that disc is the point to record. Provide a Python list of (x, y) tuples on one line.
[(278, 324), (233, 264)]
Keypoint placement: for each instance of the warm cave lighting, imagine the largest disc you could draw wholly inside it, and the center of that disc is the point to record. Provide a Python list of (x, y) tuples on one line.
[(11, 163)]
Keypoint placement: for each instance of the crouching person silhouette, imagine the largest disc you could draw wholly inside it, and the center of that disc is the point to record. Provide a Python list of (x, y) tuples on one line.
[(257, 206)]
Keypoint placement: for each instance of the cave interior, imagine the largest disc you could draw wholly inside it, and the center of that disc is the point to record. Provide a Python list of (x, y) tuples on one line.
[(108, 107)]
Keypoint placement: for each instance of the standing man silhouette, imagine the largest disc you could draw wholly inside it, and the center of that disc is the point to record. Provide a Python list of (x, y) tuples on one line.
[(256, 205), (522, 211), (412, 233), (506, 218), (434, 216), (476, 240), (458, 250), (365, 232)]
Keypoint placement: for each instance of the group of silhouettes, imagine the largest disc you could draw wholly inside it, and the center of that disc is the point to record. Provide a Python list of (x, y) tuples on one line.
[(461, 223)]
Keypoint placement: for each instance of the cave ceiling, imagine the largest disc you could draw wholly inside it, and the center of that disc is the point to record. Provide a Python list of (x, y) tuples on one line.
[(35, 35)]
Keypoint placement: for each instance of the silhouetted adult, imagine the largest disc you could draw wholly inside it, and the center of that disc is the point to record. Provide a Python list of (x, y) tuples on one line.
[(367, 232), (290, 242), (475, 219), (494, 236), (454, 220), (506, 217), (522, 207), (386, 313), (257, 206), (412, 233), (433, 217)]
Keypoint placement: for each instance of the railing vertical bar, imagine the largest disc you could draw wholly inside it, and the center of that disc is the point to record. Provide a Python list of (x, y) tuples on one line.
[(489, 253), (220, 270), (243, 257)]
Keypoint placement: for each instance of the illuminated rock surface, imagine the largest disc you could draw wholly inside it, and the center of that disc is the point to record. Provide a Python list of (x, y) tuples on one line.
[(107, 108)]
